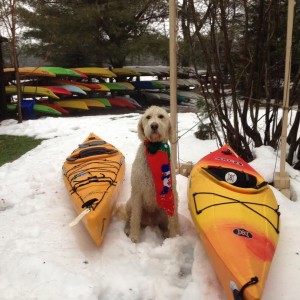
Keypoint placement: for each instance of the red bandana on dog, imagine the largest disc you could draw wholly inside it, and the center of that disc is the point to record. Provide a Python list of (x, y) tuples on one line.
[(158, 157)]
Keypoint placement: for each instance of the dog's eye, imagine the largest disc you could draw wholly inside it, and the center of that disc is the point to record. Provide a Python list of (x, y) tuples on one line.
[(161, 116), (148, 117)]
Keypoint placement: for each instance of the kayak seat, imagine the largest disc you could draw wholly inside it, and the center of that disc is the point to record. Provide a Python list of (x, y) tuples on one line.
[(95, 151), (95, 143), (239, 178), (92, 152)]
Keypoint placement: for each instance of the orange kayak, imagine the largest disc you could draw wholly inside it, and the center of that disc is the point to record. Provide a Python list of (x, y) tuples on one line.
[(237, 217), (93, 175)]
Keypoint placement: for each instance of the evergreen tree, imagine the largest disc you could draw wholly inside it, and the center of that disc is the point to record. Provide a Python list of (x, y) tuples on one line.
[(90, 32)]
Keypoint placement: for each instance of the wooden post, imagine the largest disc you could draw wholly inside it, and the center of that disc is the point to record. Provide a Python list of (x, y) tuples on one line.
[(173, 77), (281, 179), (183, 169)]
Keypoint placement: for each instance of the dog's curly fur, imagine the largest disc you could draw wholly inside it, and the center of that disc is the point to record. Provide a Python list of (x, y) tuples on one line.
[(141, 208)]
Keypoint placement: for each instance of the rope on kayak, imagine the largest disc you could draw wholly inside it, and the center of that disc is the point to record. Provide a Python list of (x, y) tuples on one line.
[(106, 166), (239, 294), (252, 281), (81, 183), (244, 203), (82, 169), (102, 165), (93, 204)]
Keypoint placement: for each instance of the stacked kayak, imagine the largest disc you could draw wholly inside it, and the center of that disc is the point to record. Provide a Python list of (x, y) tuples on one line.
[(237, 217), (93, 175), (31, 90)]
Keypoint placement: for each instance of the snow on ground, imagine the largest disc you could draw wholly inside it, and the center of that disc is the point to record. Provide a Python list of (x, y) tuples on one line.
[(43, 258)]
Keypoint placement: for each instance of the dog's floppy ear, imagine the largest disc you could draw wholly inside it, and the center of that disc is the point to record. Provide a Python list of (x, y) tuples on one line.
[(140, 129)]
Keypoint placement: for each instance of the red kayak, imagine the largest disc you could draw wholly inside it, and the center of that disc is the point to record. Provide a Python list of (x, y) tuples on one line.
[(58, 90), (92, 86), (237, 217), (120, 102), (57, 107)]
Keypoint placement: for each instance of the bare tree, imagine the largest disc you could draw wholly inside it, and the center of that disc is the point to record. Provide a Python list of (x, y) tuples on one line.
[(242, 43), (8, 15)]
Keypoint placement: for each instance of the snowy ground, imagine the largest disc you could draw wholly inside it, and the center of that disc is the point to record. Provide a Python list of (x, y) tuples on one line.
[(43, 258)]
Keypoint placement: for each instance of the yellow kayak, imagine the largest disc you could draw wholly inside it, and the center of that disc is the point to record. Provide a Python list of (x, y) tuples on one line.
[(31, 72), (75, 104), (95, 71), (93, 175), (237, 217), (129, 85), (103, 87), (92, 103), (31, 90)]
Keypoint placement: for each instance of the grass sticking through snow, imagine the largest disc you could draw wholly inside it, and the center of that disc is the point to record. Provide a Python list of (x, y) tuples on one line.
[(12, 147)]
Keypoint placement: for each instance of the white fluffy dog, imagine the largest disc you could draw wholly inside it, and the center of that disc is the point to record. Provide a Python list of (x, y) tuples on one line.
[(142, 208)]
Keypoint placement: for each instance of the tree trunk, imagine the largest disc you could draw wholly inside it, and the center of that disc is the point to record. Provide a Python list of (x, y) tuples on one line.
[(3, 102), (292, 139), (15, 60)]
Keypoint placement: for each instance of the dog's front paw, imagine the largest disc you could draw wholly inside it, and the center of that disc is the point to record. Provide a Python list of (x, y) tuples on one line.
[(127, 229), (173, 232), (134, 238)]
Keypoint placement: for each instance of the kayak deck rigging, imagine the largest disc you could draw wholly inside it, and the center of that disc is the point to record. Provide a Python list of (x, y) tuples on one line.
[(107, 168), (236, 201)]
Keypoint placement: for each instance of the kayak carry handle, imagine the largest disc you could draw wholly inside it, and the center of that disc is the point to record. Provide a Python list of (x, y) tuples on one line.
[(89, 203), (227, 152), (235, 291), (79, 217), (239, 294)]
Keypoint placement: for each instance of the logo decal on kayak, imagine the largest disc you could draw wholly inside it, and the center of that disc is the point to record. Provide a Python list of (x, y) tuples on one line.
[(230, 161), (243, 232), (230, 177), (78, 175)]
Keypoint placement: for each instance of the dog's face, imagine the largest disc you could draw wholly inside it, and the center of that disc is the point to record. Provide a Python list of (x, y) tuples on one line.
[(155, 125)]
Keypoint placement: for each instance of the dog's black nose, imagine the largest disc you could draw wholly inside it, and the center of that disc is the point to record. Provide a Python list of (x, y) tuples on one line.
[(154, 126)]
